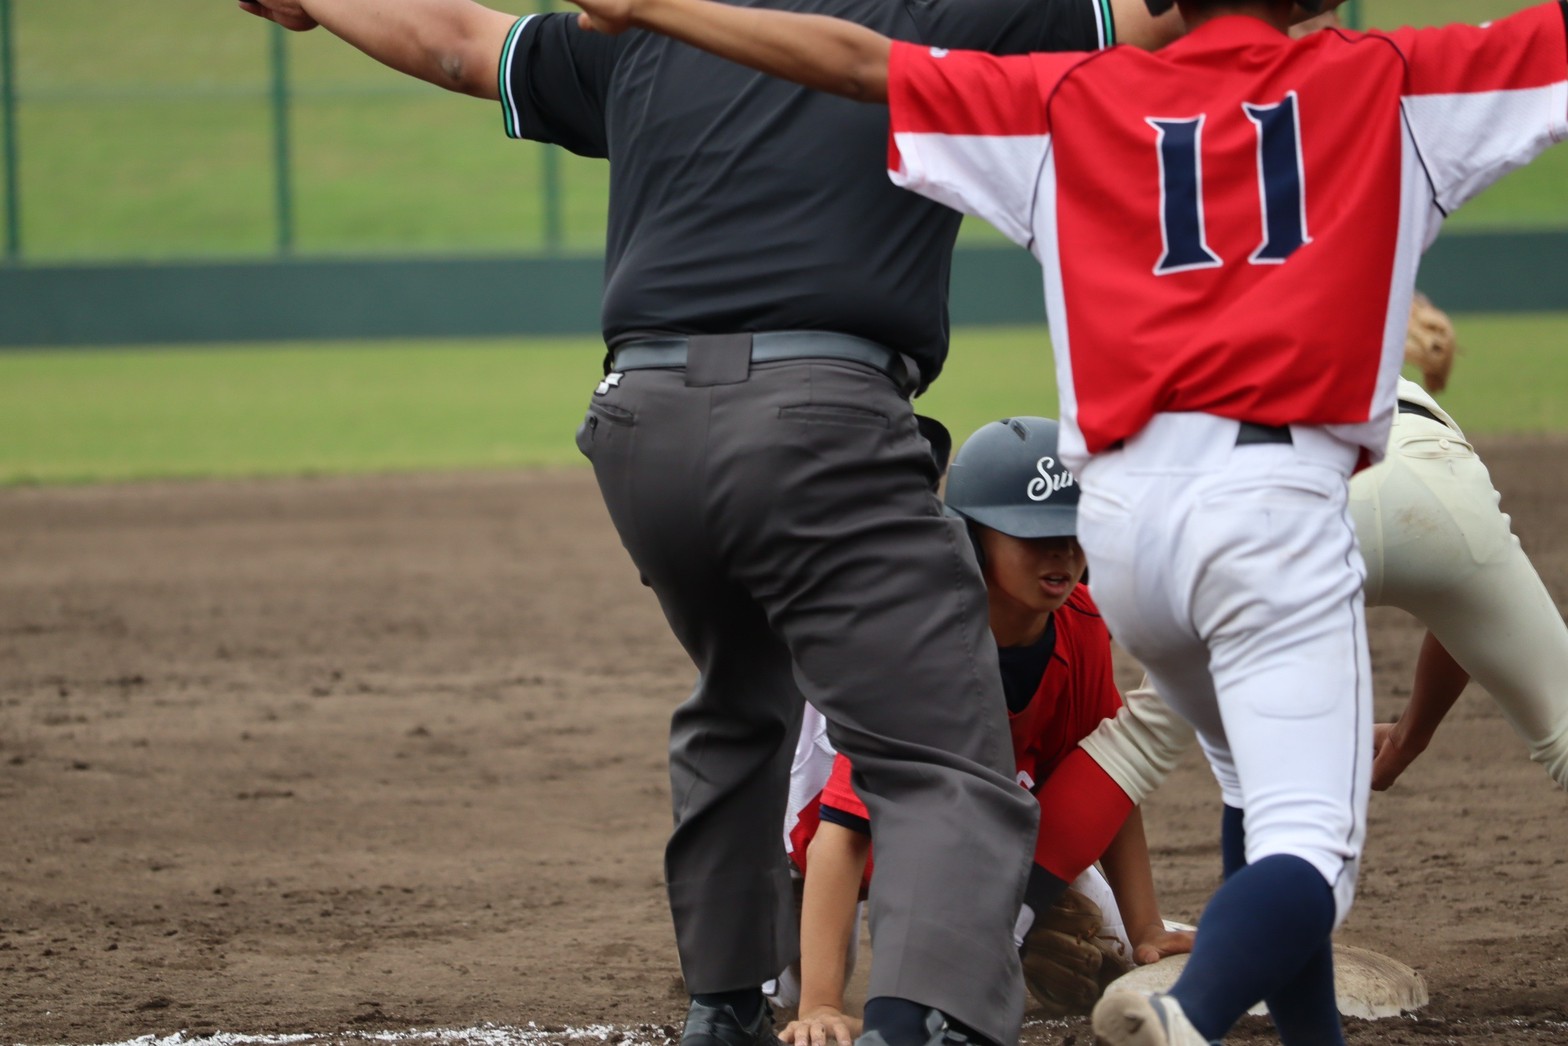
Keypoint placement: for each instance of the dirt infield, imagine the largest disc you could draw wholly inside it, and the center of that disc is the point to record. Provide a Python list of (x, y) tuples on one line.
[(333, 756)]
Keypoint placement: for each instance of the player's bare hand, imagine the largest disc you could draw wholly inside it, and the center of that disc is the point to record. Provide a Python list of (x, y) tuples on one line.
[(1155, 942), (1392, 753), (823, 1026), (290, 14), (610, 17)]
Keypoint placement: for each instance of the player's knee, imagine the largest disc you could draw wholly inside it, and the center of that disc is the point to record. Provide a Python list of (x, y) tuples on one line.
[(1553, 755)]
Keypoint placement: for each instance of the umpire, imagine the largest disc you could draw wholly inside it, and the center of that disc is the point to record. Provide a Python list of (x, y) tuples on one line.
[(771, 303)]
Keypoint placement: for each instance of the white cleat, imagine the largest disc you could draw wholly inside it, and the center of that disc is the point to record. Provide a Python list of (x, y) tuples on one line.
[(1127, 1019)]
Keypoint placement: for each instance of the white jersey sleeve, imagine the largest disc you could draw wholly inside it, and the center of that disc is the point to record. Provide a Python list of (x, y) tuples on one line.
[(809, 770), (970, 130), (1481, 101)]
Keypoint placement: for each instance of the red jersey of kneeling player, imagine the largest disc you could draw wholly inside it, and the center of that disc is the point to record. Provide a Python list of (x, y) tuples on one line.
[(1076, 692)]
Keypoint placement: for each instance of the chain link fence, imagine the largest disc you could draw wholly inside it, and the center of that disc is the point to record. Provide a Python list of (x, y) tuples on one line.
[(189, 129)]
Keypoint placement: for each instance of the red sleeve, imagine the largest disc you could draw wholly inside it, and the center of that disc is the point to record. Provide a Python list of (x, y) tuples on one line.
[(1081, 810), (840, 794), (1081, 807), (970, 130), (1523, 51), (931, 90)]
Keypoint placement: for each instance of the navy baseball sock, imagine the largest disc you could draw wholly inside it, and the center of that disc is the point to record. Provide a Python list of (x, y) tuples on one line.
[(1305, 1010), (745, 1003), (901, 1022), (1254, 939), (1233, 841)]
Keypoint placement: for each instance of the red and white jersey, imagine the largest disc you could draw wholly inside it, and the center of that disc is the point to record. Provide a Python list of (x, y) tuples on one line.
[(1076, 692), (1230, 225)]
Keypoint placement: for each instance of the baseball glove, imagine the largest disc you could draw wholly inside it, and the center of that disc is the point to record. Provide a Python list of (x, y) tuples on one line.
[(1066, 963), (1430, 345)]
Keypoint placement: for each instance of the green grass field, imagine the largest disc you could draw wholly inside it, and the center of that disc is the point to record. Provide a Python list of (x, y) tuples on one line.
[(151, 137), (111, 414), (147, 137)]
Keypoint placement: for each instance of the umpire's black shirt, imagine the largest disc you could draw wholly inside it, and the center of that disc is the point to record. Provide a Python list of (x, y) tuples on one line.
[(739, 202)]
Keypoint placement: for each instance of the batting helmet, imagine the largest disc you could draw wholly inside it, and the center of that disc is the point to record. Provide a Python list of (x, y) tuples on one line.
[(1008, 476)]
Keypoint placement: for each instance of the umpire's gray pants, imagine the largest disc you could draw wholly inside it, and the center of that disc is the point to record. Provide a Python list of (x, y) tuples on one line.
[(790, 528)]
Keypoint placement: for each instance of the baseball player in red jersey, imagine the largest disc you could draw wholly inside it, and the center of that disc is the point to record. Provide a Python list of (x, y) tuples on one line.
[(1020, 507), (1217, 196)]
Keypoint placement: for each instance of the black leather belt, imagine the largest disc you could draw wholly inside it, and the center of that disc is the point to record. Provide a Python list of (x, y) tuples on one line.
[(1251, 432), (1406, 407), (771, 347)]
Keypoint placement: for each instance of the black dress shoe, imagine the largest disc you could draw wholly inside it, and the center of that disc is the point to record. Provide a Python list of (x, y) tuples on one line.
[(718, 1026)]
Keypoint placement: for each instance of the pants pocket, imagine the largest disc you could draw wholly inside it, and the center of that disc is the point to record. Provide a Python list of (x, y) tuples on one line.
[(835, 414), (585, 434), (599, 413)]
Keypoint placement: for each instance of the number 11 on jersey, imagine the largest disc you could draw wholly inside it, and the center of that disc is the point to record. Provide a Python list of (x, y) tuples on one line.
[(1281, 188)]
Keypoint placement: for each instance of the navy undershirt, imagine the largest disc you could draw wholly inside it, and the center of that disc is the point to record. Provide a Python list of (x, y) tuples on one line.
[(1024, 666)]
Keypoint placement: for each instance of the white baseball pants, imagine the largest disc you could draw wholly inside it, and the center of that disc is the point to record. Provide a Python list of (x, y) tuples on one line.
[(1438, 546), (1232, 574)]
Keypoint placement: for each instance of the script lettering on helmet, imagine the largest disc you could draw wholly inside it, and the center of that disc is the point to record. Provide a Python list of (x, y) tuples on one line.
[(1043, 486)]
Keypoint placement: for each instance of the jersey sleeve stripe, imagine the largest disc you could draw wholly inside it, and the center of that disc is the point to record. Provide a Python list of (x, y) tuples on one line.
[(933, 91), (1105, 23), (509, 112)]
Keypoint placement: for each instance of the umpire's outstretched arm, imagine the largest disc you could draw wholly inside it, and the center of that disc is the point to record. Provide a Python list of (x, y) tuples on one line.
[(455, 44), (828, 54)]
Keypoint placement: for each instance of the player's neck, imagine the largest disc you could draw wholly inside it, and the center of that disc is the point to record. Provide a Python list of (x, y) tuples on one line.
[(1013, 625), (1270, 12)]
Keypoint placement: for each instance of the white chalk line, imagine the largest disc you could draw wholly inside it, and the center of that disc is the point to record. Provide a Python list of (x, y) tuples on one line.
[(530, 1034)]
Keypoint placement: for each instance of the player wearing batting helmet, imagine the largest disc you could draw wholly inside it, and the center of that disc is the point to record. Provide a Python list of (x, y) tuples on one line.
[(1008, 477)]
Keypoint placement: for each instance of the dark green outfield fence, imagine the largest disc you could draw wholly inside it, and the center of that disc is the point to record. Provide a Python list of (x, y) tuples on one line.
[(282, 300)]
